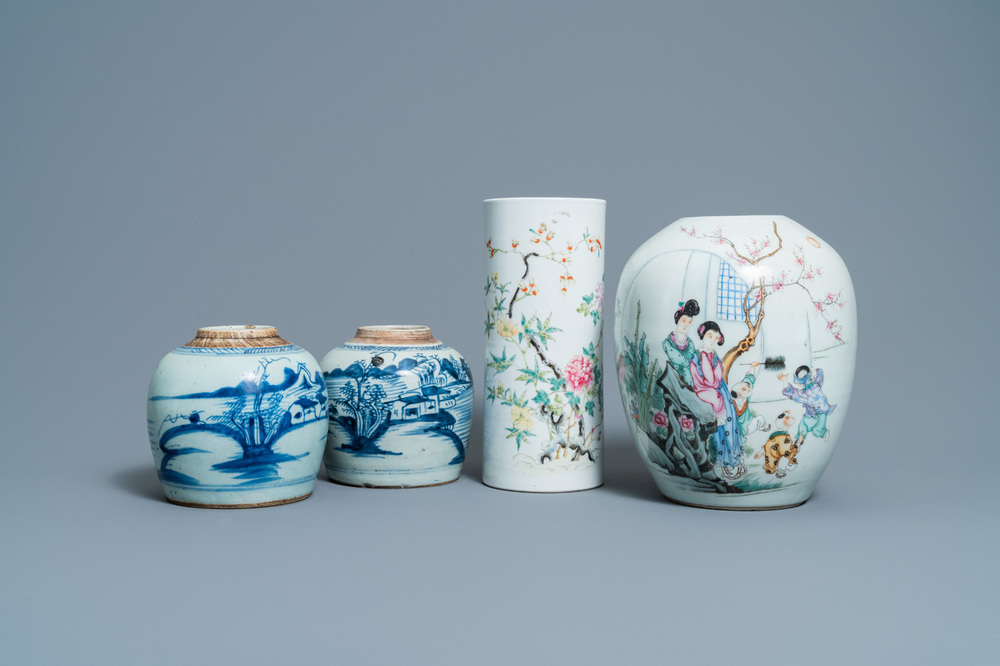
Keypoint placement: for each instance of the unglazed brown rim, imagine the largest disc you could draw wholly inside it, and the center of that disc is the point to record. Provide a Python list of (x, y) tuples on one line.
[(240, 336), (394, 334)]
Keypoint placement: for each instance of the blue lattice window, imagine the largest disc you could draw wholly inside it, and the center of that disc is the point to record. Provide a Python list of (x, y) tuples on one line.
[(732, 289)]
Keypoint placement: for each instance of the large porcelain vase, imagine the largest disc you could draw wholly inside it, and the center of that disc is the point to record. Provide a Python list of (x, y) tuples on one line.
[(543, 298), (237, 418), (735, 343)]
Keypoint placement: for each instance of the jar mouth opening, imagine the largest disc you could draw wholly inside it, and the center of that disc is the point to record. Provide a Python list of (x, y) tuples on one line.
[(543, 199), (237, 331), (394, 333), (748, 216), (237, 335), (395, 327)]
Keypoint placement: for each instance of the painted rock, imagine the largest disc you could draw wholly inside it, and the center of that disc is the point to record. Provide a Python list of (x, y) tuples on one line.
[(237, 418), (400, 405), (735, 342)]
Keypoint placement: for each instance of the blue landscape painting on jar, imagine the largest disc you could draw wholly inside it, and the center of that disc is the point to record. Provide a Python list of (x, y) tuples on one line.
[(231, 437), (398, 403)]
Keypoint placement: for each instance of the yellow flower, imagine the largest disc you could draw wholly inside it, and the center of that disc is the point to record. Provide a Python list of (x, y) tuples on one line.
[(506, 328), (521, 416)]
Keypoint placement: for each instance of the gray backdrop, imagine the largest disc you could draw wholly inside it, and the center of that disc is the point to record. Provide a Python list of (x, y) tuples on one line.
[(318, 166)]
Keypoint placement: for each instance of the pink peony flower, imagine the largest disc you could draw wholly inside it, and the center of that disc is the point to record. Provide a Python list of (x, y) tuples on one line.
[(687, 423), (579, 372), (660, 419)]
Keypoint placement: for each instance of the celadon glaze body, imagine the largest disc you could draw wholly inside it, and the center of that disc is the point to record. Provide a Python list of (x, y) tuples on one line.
[(237, 418), (400, 405), (735, 344)]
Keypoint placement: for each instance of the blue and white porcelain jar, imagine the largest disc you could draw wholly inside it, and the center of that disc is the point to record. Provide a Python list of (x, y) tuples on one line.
[(400, 405), (237, 418)]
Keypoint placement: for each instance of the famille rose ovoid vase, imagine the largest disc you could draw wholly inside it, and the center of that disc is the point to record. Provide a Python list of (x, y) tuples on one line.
[(237, 418), (400, 405), (735, 342), (544, 297)]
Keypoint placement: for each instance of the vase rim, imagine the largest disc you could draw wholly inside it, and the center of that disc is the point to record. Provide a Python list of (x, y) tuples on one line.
[(395, 333), (581, 199), (237, 335), (729, 217)]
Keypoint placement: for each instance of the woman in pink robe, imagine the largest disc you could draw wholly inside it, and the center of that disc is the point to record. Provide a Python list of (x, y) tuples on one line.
[(710, 386), (706, 369)]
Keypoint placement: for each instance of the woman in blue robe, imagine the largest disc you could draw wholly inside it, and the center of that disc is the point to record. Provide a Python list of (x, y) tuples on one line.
[(678, 346)]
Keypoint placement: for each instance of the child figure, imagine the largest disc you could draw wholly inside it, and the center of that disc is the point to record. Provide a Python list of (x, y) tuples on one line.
[(807, 390), (748, 420), (779, 446)]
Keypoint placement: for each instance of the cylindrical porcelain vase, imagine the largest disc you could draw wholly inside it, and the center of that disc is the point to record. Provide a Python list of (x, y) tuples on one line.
[(400, 406), (544, 297), (735, 341), (237, 419)]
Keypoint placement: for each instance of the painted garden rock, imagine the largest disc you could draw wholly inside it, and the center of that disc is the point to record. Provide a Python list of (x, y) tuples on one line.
[(400, 405), (237, 418), (735, 341)]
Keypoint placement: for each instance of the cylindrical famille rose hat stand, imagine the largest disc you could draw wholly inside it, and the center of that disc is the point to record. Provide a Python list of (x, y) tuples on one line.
[(544, 297)]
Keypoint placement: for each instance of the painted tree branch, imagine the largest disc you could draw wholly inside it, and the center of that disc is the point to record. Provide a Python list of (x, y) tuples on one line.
[(753, 328)]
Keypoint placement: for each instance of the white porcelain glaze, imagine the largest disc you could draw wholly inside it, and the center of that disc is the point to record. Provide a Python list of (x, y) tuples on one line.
[(735, 341), (544, 296)]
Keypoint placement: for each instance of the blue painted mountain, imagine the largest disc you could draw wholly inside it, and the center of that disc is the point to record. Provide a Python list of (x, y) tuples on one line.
[(248, 387), (458, 369)]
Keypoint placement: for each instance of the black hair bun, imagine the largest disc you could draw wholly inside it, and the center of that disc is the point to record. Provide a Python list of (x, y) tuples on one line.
[(690, 309)]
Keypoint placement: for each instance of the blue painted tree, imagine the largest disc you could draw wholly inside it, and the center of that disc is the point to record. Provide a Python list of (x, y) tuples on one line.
[(360, 408), (257, 414)]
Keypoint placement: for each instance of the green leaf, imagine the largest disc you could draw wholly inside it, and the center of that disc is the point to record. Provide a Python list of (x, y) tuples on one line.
[(501, 363)]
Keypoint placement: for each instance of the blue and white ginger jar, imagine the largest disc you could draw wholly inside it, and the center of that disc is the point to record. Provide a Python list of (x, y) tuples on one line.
[(237, 418), (400, 405)]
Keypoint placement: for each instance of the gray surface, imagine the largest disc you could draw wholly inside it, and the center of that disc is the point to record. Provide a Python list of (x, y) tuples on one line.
[(320, 166)]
